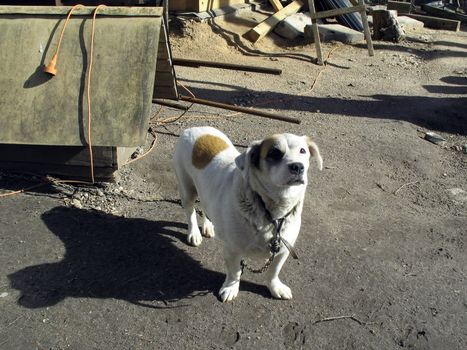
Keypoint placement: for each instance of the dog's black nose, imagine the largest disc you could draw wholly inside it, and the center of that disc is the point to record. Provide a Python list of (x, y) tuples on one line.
[(296, 168)]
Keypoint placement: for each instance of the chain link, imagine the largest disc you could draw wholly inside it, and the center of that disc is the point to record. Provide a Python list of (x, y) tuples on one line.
[(268, 263)]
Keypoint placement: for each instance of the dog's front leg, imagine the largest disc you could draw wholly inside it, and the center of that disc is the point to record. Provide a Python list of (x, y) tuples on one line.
[(278, 289), (229, 289)]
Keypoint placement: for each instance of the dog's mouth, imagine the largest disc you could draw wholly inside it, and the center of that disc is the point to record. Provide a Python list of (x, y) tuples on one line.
[(296, 181)]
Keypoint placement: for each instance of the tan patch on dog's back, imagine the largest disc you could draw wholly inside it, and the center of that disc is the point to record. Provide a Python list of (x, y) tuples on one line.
[(206, 147)]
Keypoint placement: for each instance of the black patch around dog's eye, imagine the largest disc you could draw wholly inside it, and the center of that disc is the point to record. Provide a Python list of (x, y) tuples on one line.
[(255, 156), (302, 150), (275, 154)]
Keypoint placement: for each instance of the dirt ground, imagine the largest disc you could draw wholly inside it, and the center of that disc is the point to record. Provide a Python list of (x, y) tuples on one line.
[(382, 249)]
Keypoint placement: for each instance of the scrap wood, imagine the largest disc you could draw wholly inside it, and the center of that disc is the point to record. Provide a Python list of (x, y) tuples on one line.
[(276, 4), (437, 23), (267, 25)]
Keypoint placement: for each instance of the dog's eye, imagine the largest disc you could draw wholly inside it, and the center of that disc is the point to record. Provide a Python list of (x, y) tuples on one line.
[(275, 154), (302, 150)]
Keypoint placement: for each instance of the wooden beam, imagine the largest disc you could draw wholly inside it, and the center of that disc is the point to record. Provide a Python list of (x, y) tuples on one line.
[(338, 12), (276, 4), (267, 25), (399, 6), (437, 23)]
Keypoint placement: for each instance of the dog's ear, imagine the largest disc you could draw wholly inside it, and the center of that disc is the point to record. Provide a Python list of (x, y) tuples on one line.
[(249, 157), (314, 151)]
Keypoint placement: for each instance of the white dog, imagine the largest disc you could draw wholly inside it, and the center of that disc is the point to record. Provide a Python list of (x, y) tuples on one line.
[(250, 199)]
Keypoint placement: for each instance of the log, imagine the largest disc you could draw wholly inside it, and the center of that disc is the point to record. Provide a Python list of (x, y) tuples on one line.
[(267, 25)]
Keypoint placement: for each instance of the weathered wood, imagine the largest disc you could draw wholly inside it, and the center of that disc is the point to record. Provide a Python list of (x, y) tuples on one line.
[(69, 161), (81, 11), (276, 4), (338, 12), (267, 25), (386, 27), (437, 23), (361, 8), (164, 93), (201, 5), (245, 110), (366, 28), (399, 6), (314, 27), (165, 85), (187, 62), (164, 65), (65, 155), (40, 109)]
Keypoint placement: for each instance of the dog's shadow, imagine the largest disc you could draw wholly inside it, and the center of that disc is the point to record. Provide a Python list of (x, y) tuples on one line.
[(106, 256)]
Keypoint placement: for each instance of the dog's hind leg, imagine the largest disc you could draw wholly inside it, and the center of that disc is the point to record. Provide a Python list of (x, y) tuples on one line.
[(188, 195), (208, 227)]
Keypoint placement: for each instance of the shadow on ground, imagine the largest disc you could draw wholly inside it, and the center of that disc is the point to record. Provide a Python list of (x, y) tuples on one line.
[(106, 256), (445, 113)]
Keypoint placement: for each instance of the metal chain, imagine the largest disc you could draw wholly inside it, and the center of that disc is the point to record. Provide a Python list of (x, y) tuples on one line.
[(268, 263), (274, 246)]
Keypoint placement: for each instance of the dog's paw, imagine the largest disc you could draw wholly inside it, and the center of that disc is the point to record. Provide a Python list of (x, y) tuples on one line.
[(229, 292), (208, 229), (279, 290), (195, 238)]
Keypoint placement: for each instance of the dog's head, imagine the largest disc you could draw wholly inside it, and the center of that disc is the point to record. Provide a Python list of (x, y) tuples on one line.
[(279, 161)]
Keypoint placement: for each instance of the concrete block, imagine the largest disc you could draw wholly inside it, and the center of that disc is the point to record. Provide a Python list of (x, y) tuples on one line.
[(409, 24), (293, 26), (334, 32)]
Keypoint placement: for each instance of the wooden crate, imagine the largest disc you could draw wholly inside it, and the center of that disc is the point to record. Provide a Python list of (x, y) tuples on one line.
[(67, 161), (43, 124)]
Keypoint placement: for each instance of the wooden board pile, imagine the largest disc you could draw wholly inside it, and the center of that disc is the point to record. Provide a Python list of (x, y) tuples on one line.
[(430, 20), (388, 21)]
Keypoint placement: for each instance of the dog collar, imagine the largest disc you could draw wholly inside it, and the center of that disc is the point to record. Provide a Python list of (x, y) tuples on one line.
[(277, 239)]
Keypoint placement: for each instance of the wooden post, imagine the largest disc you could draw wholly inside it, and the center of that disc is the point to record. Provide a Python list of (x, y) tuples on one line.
[(366, 29), (314, 26)]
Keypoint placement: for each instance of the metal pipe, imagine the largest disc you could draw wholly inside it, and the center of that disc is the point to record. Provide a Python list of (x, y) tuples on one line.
[(241, 67), (245, 110), (169, 103)]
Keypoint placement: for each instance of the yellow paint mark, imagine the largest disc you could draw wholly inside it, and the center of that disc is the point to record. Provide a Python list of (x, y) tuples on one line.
[(205, 149)]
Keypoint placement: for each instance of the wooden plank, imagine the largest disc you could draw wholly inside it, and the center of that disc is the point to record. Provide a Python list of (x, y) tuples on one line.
[(399, 6), (82, 11), (58, 155), (163, 65), (168, 94), (437, 23), (276, 4), (66, 171), (164, 78), (338, 12), (366, 29), (267, 25), (314, 27)]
